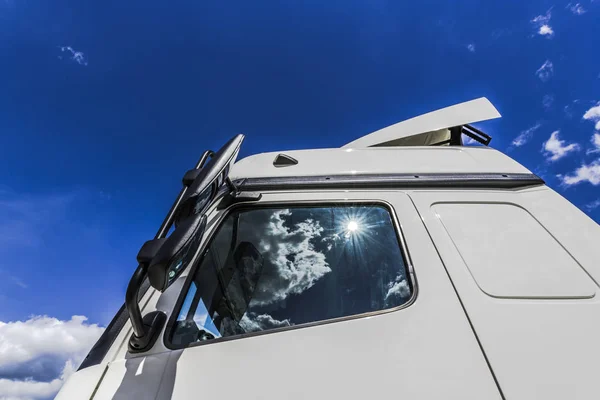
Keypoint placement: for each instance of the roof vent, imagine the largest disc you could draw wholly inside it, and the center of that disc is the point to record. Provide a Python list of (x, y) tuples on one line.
[(283, 160)]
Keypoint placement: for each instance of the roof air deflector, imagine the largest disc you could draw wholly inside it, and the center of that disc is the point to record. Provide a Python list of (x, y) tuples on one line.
[(431, 128)]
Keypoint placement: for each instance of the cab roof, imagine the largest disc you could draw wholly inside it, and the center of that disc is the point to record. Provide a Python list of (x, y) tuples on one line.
[(427, 144), (379, 160)]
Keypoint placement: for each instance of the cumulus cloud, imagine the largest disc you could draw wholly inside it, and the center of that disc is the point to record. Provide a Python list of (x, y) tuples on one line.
[(397, 291), (593, 114), (73, 55), (554, 148), (525, 135), (471, 47), (585, 173), (546, 30), (546, 71), (542, 24), (38, 355), (293, 264), (251, 322), (576, 8), (29, 390)]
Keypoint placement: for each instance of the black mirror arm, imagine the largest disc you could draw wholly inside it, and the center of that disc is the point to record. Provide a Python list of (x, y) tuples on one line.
[(131, 299), (145, 329)]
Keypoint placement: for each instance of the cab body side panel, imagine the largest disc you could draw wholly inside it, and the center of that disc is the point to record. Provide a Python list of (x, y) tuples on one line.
[(424, 351), (540, 338), (81, 384)]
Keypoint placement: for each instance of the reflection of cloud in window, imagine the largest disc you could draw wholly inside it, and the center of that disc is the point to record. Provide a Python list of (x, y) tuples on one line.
[(397, 291), (292, 264), (252, 322)]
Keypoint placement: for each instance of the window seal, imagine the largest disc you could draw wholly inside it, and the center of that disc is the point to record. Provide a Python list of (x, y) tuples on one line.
[(195, 264)]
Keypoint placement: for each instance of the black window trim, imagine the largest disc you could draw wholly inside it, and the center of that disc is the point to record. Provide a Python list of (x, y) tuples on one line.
[(195, 264)]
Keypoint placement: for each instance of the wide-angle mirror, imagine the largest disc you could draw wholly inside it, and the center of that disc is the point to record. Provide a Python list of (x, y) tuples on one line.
[(209, 180), (176, 252)]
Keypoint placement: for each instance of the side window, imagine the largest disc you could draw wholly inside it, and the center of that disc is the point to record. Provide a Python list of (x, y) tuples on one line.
[(269, 268)]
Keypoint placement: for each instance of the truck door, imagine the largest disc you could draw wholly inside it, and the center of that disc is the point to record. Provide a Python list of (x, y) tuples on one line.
[(311, 295)]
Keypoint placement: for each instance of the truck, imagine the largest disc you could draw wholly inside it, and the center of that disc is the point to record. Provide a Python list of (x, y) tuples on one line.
[(403, 264)]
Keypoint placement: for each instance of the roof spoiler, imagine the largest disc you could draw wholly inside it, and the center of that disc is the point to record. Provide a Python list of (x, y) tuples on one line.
[(441, 127)]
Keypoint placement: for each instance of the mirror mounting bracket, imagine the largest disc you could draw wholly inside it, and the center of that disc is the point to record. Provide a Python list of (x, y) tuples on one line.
[(146, 329), (153, 323), (232, 186)]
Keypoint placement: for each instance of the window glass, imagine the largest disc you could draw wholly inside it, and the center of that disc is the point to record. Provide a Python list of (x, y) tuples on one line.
[(277, 267)]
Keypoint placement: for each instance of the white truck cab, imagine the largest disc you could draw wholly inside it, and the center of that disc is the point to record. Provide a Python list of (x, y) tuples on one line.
[(402, 265)]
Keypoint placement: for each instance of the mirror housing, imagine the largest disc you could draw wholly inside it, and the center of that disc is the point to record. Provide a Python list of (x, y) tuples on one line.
[(209, 179), (176, 252)]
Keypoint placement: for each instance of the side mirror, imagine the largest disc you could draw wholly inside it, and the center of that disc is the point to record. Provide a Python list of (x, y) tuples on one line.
[(208, 179), (176, 252), (162, 260)]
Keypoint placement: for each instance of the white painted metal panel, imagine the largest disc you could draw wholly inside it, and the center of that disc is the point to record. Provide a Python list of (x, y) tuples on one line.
[(460, 114), (538, 348), (379, 160), (421, 352), (81, 384), (136, 377), (510, 254)]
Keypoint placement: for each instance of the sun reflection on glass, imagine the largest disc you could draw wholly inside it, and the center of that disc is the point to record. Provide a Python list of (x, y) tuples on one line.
[(352, 226)]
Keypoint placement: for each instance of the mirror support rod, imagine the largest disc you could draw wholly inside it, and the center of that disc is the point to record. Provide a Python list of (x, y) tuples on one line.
[(146, 329)]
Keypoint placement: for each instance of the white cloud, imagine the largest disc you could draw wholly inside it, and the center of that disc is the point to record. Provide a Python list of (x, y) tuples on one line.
[(76, 56), (596, 142), (542, 24), (547, 101), (568, 109), (252, 322), (586, 173), (525, 135), (576, 8), (546, 30), (471, 47), (397, 290), (38, 355), (554, 149), (469, 141), (293, 265), (543, 19), (593, 114), (546, 71), (593, 205)]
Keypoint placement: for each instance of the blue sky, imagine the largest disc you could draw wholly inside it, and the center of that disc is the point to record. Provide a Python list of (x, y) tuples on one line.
[(104, 105)]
